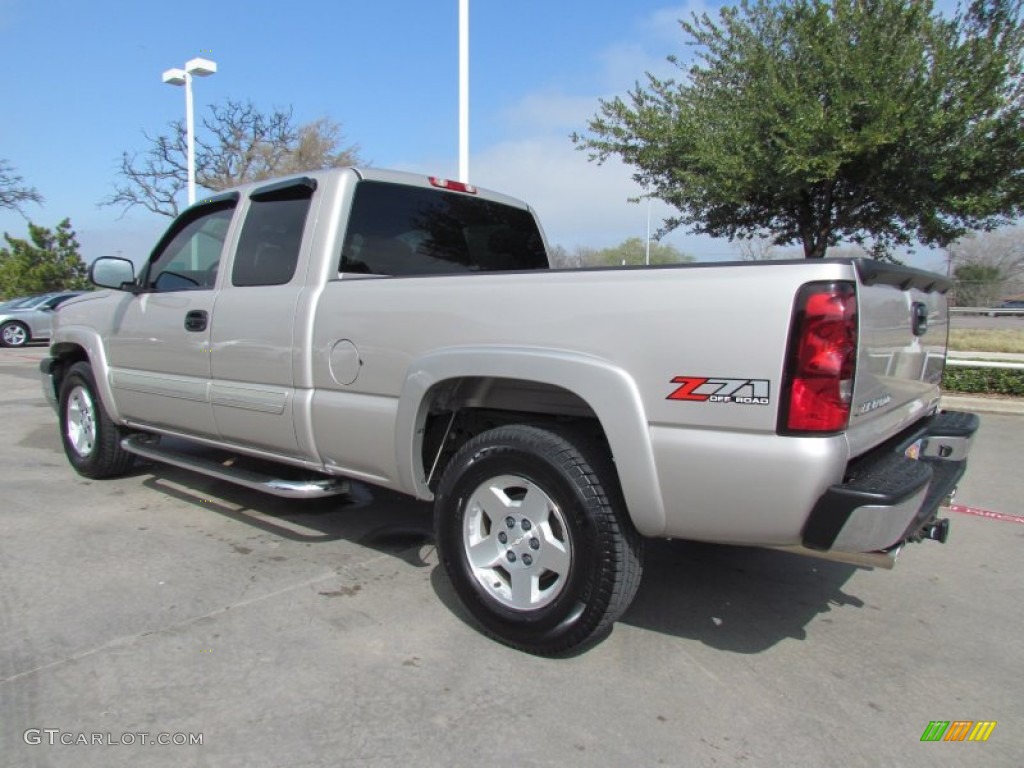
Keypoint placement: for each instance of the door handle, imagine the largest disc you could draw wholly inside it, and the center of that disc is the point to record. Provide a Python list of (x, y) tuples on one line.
[(195, 320)]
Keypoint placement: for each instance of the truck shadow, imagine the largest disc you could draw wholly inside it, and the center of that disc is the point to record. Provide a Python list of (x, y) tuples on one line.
[(737, 599), (381, 520)]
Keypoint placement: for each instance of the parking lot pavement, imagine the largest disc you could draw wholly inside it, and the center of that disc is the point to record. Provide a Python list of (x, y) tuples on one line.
[(324, 634)]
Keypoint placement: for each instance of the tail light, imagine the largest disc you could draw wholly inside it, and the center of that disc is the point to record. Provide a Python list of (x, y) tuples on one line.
[(820, 363)]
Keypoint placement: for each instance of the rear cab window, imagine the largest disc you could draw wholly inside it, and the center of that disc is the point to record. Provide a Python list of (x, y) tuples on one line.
[(399, 230), (271, 238)]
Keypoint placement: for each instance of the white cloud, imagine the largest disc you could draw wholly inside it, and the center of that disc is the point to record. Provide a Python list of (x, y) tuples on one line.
[(662, 26), (548, 111), (626, 64), (580, 202)]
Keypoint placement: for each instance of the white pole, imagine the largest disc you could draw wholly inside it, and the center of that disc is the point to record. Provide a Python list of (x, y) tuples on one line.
[(190, 140), (647, 255), (464, 91)]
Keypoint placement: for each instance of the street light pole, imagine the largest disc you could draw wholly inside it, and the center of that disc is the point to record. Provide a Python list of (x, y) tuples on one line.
[(464, 91), (193, 68)]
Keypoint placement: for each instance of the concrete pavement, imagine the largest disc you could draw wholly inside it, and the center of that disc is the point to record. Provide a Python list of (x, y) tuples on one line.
[(324, 634)]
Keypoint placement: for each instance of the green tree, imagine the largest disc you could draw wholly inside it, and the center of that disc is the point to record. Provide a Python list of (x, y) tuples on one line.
[(817, 121), (13, 192), (48, 261), (633, 251), (235, 144)]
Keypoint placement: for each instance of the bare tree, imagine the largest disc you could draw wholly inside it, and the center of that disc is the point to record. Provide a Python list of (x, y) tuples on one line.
[(13, 192), (239, 144), (764, 248), (995, 259), (758, 248), (561, 257)]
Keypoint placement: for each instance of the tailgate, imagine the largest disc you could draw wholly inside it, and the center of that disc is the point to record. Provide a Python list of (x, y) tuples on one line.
[(903, 328)]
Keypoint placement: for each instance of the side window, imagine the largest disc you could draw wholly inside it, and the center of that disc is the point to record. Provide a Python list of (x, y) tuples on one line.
[(268, 248), (189, 261)]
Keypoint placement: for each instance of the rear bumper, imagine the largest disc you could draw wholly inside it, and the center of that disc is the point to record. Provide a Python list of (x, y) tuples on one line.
[(891, 495)]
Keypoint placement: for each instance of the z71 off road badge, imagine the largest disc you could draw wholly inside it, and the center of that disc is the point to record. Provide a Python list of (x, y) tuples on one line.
[(704, 389)]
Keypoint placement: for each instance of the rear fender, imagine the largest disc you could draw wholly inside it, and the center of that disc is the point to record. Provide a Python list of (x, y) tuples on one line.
[(607, 389)]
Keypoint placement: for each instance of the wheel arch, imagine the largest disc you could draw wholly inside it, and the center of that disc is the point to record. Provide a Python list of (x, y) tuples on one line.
[(532, 383), (82, 345)]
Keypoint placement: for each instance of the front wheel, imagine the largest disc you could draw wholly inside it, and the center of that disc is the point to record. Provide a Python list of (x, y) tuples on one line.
[(14, 335), (533, 534), (91, 440)]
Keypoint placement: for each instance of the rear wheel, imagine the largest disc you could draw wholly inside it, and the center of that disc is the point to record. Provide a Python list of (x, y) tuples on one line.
[(14, 335), (534, 536), (91, 440)]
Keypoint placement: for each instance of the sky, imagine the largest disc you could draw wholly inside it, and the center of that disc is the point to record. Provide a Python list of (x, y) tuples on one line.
[(83, 83)]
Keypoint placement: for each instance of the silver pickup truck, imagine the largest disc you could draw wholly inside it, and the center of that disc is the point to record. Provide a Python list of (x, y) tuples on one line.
[(405, 331)]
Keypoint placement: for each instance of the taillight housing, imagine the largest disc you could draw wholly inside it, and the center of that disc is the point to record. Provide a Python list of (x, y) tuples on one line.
[(821, 360)]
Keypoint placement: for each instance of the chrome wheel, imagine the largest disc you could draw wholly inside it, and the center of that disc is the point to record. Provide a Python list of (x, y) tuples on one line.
[(81, 421), (14, 335), (516, 542)]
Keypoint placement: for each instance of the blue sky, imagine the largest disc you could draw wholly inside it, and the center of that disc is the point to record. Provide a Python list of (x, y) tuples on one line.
[(83, 83)]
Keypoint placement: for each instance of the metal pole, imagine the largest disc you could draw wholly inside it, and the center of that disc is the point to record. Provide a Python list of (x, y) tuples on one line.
[(190, 140), (647, 256), (464, 91)]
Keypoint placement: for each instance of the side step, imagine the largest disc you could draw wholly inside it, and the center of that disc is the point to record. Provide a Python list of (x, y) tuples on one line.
[(147, 447)]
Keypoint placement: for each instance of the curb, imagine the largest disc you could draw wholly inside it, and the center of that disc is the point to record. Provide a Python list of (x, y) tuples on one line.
[(1014, 406)]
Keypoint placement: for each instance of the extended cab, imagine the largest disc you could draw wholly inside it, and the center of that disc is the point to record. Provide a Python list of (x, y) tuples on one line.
[(405, 332)]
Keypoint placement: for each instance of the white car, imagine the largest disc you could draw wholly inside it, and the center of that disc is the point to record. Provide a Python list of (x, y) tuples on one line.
[(30, 319)]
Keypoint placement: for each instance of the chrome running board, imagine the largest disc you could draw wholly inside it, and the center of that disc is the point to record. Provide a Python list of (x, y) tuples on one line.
[(147, 447)]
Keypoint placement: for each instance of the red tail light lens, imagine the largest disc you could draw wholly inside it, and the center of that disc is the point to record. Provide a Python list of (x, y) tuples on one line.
[(821, 360)]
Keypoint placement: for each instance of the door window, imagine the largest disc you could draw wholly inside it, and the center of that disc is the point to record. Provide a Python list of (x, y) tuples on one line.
[(190, 259)]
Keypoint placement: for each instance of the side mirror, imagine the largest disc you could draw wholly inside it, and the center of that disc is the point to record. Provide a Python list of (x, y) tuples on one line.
[(112, 272)]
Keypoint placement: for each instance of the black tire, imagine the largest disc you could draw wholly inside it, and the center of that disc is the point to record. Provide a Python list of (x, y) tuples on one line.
[(14, 334), (580, 555), (91, 440)]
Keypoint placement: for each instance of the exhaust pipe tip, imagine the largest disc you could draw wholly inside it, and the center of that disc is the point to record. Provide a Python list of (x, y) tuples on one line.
[(937, 530)]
